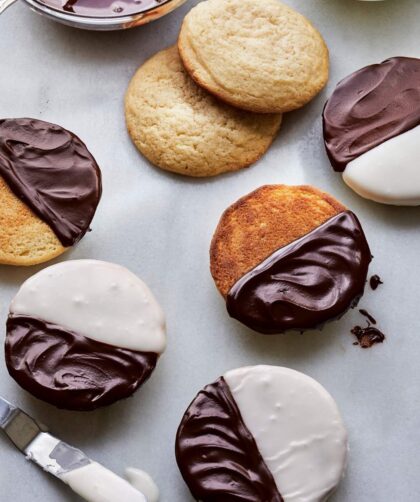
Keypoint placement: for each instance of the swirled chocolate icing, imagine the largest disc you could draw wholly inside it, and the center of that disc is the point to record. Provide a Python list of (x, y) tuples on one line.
[(69, 370), (52, 171), (217, 455), (371, 106), (306, 283)]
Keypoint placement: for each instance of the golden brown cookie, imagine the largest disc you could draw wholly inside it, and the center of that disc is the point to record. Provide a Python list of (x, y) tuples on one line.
[(50, 186), (24, 238), (181, 128), (288, 257), (259, 56)]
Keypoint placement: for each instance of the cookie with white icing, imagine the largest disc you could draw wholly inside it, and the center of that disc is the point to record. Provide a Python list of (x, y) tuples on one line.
[(262, 433), (372, 130), (83, 334), (289, 258), (50, 186)]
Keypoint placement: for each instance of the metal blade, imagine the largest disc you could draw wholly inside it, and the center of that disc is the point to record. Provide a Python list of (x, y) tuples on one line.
[(45, 450), (19, 427)]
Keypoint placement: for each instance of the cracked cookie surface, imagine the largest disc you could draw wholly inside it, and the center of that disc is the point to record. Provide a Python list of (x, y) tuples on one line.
[(179, 127), (259, 56)]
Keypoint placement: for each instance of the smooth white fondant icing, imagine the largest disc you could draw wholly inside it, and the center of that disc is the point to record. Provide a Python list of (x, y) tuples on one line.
[(96, 299), (297, 427), (143, 481), (95, 483), (390, 172)]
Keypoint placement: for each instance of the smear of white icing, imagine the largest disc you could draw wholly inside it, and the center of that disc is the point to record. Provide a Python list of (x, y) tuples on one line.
[(95, 483), (143, 482), (297, 427), (39, 451), (390, 172), (97, 299)]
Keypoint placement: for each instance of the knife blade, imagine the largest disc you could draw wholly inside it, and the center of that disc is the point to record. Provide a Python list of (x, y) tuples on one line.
[(87, 478)]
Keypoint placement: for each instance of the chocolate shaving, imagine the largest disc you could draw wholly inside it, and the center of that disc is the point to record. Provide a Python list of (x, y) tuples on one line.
[(367, 337), (364, 312), (374, 282)]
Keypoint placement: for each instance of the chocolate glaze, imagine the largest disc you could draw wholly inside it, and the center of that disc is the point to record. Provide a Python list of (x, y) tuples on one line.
[(69, 370), (375, 281), (371, 106), (366, 314), (52, 171), (103, 8), (306, 283), (367, 336), (217, 455)]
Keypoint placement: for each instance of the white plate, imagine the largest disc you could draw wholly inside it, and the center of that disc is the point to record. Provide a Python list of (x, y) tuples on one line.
[(160, 227)]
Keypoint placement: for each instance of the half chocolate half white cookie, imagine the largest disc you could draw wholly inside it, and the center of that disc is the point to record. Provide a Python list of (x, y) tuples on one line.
[(83, 334), (262, 433), (372, 131), (289, 258)]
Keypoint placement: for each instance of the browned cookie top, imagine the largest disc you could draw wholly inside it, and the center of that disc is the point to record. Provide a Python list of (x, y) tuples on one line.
[(289, 258)]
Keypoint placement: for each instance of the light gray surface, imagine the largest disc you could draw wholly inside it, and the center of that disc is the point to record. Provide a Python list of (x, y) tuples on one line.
[(160, 227)]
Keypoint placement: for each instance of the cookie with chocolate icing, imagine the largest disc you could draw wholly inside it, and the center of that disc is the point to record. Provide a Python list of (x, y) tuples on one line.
[(83, 334), (262, 433), (289, 257), (372, 131), (50, 186)]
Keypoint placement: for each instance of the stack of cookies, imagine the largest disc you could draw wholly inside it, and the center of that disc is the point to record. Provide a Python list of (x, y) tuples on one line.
[(214, 103)]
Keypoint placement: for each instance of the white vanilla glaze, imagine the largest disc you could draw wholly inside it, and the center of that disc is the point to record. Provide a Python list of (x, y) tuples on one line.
[(143, 482), (297, 427), (95, 483), (390, 172), (96, 299)]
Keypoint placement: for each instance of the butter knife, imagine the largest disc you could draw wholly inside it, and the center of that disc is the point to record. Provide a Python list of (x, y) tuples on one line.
[(89, 479)]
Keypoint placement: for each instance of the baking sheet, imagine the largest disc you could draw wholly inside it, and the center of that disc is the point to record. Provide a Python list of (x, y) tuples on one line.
[(160, 225)]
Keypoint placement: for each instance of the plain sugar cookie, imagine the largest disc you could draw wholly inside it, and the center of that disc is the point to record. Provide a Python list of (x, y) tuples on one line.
[(260, 56), (262, 433), (180, 128), (289, 258), (50, 186), (83, 334)]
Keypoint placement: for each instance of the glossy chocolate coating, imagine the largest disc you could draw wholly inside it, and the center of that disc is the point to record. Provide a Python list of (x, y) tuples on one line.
[(71, 371), (306, 283), (371, 106), (217, 455), (52, 171), (103, 8)]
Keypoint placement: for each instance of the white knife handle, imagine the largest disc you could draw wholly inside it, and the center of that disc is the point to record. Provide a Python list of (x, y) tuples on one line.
[(96, 483)]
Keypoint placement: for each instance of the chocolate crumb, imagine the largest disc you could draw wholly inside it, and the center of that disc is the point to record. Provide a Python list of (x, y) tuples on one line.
[(367, 336), (374, 282), (366, 314)]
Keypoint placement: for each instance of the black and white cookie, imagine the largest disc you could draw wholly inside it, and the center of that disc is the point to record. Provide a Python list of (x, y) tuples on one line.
[(259, 434), (372, 131), (83, 334)]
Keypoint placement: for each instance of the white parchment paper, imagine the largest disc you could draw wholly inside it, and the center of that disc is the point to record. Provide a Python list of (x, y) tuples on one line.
[(160, 226)]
